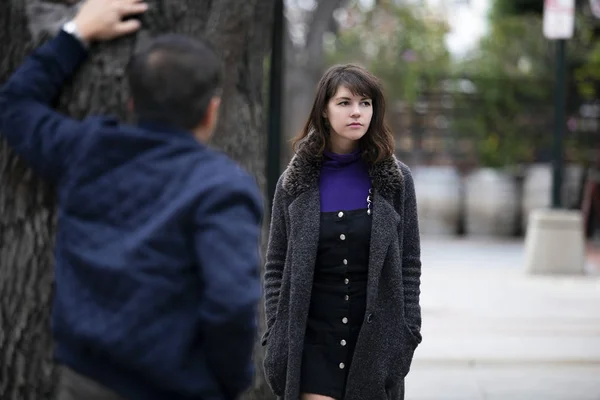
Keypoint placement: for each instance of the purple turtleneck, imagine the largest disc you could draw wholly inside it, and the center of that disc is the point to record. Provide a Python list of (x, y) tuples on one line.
[(344, 182)]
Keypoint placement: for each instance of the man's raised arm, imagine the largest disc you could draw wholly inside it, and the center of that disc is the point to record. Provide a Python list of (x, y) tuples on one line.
[(42, 136)]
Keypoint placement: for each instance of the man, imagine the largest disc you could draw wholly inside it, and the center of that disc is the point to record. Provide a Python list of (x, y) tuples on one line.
[(157, 248)]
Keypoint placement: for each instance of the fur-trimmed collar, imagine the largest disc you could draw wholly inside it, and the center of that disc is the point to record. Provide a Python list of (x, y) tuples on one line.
[(303, 173)]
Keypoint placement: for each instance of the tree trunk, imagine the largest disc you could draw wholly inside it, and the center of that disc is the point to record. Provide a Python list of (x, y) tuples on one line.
[(27, 205)]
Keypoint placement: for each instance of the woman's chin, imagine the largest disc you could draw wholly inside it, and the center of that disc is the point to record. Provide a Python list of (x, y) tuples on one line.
[(354, 134)]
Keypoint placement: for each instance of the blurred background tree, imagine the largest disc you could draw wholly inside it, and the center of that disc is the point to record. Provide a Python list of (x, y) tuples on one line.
[(401, 43), (512, 76)]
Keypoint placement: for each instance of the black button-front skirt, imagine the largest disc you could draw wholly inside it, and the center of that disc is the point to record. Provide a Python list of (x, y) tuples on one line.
[(338, 302)]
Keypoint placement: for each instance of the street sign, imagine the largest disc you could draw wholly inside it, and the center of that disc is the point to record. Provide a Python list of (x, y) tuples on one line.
[(595, 8), (559, 19)]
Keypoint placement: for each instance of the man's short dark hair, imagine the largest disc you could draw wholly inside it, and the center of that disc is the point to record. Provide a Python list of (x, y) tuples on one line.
[(172, 80)]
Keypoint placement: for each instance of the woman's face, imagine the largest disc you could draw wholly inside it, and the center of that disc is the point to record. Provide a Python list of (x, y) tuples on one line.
[(349, 116)]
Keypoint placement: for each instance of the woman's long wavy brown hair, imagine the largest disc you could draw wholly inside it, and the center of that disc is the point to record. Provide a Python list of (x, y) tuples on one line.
[(378, 142)]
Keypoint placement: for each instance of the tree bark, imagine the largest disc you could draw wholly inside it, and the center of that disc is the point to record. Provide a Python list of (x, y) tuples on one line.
[(27, 205)]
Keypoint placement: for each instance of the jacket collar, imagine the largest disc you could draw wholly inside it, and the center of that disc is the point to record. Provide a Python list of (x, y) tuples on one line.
[(164, 129), (303, 173)]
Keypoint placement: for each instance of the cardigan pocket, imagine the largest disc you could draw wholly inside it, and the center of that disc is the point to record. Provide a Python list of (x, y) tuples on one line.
[(416, 338), (402, 356)]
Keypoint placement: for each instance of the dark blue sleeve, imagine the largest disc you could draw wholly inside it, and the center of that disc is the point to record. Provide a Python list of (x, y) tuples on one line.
[(39, 134), (228, 252)]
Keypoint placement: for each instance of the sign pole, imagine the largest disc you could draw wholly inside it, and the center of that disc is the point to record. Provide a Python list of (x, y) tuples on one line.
[(559, 124), (554, 243), (559, 24)]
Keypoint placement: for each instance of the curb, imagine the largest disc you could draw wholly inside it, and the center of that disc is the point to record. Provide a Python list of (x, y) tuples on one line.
[(507, 362)]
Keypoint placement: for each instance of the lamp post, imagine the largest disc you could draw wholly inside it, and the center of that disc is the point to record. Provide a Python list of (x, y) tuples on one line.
[(554, 242), (275, 100), (559, 22)]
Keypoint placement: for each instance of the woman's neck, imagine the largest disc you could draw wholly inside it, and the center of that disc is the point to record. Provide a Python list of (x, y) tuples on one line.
[(348, 147)]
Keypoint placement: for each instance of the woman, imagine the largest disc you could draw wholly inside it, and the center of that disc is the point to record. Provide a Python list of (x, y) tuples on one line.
[(342, 278)]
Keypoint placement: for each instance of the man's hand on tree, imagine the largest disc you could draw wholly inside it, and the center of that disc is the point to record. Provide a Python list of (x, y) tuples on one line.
[(99, 20)]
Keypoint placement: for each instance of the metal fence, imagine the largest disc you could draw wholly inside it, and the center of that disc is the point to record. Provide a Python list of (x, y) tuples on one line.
[(453, 119)]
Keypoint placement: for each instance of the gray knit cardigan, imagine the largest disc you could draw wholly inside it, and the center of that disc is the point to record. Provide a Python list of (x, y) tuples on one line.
[(391, 329)]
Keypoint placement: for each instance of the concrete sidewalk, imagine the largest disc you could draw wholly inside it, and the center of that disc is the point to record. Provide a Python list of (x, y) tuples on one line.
[(490, 331)]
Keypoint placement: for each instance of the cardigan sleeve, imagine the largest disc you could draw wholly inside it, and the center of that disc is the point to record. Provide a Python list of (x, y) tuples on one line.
[(411, 256), (275, 257)]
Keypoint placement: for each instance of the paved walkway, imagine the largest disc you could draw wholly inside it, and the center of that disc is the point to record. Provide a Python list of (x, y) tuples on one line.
[(493, 332)]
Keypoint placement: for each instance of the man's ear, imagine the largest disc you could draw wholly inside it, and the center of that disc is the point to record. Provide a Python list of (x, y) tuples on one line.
[(212, 113), (130, 106)]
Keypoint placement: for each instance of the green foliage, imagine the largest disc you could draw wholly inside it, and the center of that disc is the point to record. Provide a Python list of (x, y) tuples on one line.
[(585, 55), (401, 44), (512, 76), (508, 8), (515, 47), (500, 119), (583, 51)]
